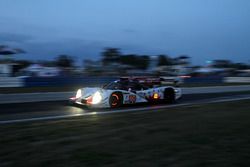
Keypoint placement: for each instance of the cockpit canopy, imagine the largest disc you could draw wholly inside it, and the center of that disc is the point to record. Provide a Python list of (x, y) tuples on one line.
[(125, 85)]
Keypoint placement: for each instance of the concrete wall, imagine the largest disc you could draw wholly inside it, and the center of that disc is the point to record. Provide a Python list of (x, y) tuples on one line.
[(85, 81), (66, 81), (213, 79), (5, 70), (11, 82)]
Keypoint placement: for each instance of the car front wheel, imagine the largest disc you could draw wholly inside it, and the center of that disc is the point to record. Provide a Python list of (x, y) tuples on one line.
[(115, 99)]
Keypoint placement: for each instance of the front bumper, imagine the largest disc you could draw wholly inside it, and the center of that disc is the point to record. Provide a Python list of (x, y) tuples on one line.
[(74, 100), (83, 102)]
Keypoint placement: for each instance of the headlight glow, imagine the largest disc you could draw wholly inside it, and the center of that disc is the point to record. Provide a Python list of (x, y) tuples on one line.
[(96, 98), (78, 93)]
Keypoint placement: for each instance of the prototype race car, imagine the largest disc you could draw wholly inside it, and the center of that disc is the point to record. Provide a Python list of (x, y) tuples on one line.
[(126, 91)]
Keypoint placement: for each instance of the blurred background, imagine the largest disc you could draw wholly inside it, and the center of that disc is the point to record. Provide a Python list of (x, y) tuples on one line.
[(51, 48), (66, 43)]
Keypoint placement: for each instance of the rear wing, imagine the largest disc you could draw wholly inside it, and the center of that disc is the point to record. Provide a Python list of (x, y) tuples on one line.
[(154, 81)]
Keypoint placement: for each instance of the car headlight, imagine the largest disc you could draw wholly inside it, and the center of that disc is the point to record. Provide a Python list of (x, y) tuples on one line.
[(96, 98), (79, 93)]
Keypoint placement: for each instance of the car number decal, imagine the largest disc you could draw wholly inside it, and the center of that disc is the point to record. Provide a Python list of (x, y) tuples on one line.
[(132, 98)]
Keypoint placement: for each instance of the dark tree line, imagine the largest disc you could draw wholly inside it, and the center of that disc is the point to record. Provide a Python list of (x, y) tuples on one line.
[(164, 60), (229, 64), (64, 61), (113, 55), (139, 62)]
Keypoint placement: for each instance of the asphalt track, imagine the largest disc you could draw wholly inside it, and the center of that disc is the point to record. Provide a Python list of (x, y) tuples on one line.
[(58, 96), (42, 111)]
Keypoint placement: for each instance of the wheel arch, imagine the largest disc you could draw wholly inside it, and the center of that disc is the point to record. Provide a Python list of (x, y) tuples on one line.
[(116, 99)]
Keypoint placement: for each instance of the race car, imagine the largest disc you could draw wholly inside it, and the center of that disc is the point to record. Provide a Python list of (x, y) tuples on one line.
[(125, 91)]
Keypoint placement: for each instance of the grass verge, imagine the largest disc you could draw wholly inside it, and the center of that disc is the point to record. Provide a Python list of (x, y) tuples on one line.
[(201, 135)]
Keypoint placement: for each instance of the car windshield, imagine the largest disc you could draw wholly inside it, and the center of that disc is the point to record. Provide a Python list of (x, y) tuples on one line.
[(115, 85), (124, 85)]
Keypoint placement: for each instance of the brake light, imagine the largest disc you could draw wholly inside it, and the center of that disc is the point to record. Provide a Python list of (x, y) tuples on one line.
[(156, 96)]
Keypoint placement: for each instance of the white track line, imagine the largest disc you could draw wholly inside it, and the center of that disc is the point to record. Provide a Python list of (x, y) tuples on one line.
[(120, 111)]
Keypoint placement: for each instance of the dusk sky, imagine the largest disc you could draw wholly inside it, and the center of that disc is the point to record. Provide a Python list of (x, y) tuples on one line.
[(202, 29)]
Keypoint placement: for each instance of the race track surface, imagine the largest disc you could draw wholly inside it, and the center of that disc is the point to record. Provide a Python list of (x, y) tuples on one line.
[(37, 111), (58, 96)]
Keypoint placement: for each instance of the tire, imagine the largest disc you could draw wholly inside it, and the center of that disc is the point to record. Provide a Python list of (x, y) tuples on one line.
[(169, 95), (116, 99)]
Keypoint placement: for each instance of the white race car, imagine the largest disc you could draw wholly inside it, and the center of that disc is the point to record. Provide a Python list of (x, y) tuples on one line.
[(125, 91)]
